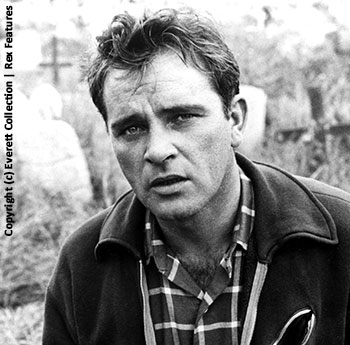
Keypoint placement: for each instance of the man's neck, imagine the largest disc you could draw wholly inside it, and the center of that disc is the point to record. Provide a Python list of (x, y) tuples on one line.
[(209, 231), (201, 241)]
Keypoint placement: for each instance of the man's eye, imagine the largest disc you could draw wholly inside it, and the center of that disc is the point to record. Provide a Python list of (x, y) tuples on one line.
[(132, 130), (184, 117)]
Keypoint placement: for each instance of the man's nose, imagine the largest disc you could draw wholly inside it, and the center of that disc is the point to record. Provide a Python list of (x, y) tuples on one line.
[(160, 146)]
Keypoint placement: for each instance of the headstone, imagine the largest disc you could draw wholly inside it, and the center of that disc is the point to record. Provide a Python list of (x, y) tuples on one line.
[(49, 155), (47, 102), (254, 131)]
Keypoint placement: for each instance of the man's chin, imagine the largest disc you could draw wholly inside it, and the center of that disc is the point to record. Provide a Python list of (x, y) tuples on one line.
[(173, 212)]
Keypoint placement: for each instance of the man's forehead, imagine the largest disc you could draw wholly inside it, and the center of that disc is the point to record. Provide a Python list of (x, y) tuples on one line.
[(123, 82), (165, 69)]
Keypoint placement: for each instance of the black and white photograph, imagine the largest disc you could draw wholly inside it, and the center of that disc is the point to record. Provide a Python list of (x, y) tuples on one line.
[(175, 172)]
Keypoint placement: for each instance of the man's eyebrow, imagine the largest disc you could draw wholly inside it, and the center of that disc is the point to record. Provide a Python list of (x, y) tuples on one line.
[(126, 120), (183, 108)]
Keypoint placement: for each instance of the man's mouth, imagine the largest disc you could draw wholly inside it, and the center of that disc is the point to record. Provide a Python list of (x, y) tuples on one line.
[(167, 181)]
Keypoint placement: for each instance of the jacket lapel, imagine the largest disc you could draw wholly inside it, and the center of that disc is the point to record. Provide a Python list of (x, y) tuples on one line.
[(285, 210)]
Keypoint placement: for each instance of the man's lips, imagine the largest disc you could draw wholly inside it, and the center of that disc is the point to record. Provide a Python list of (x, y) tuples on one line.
[(167, 180)]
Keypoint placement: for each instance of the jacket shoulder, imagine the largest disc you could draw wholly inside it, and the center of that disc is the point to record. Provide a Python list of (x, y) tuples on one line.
[(335, 200), (87, 233), (320, 189), (326, 191), (77, 259), (83, 241)]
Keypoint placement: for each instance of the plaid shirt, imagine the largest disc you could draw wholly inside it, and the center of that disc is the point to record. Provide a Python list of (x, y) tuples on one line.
[(181, 312)]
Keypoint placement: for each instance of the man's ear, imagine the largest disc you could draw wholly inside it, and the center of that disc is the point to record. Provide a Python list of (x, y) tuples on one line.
[(238, 119)]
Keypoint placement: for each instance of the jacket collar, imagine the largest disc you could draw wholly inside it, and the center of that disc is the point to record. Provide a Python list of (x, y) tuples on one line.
[(123, 227), (285, 209)]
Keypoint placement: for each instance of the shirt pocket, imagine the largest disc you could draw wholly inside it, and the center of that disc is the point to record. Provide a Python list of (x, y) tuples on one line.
[(297, 330)]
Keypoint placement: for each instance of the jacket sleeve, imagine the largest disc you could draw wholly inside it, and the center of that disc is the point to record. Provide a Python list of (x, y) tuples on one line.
[(59, 317), (56, 328)]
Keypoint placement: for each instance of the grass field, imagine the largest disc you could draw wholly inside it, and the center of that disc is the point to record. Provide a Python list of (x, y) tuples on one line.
[(22, 325)]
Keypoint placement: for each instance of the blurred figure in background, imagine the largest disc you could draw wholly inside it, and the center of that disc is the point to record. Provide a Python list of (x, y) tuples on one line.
[(208, 247)]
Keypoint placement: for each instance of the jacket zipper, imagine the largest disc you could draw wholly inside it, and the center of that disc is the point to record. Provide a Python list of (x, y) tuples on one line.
[(147, 319), (249, 323)]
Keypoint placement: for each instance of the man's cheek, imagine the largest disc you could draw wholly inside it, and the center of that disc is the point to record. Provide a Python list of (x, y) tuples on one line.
[(125, 164)]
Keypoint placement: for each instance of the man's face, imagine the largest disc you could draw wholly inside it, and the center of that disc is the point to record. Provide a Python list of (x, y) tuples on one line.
[(171, 136)]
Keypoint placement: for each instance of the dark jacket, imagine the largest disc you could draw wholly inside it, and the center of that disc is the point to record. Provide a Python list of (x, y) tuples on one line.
[(296, 280)]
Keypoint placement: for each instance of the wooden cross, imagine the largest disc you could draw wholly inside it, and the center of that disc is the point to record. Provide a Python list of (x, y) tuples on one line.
[(316, 134), (55, 64)]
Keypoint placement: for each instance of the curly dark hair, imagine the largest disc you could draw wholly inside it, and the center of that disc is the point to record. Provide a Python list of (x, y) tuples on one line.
[(130, 43)]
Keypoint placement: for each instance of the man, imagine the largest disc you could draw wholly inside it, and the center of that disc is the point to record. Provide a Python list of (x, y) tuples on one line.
[(208, 247)]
